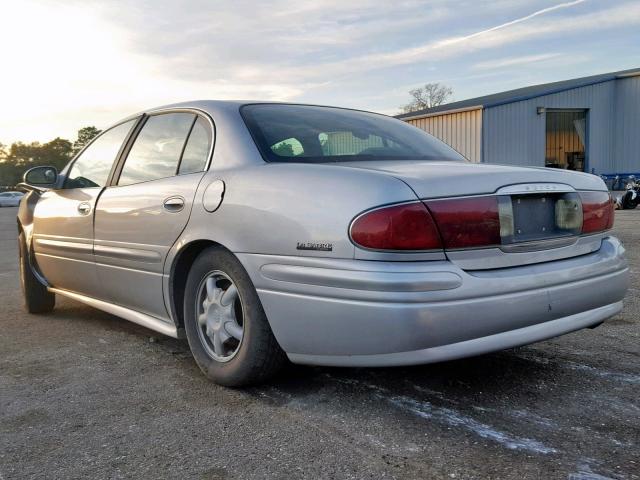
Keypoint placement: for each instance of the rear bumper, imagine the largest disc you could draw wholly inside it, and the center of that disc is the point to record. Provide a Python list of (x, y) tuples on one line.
[(468, 348), (364, 313)]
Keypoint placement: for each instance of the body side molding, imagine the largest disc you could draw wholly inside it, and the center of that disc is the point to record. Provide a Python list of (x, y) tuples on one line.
[(136, 317)]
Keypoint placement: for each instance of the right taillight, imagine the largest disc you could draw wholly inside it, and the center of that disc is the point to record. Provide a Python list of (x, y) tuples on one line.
[(467, 222), (597, 211)]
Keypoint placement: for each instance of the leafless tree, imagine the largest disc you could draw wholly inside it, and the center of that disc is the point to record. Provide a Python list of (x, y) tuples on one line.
[(431, 95)]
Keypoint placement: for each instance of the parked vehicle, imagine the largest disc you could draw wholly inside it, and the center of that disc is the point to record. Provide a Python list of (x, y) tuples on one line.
[(616, 182), (10, 199), (631, 196), (264, 232)]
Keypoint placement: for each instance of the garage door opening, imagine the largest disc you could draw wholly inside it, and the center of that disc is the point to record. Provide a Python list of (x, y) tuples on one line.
[(566, 139)]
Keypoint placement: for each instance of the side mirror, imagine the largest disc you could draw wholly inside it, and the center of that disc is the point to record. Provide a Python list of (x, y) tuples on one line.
[(41, 176)]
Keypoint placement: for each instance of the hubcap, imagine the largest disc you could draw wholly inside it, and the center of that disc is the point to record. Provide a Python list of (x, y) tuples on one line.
[(220, 316)]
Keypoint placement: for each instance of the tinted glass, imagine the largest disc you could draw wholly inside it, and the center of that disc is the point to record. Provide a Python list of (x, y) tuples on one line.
[(287, 148), (302, 133), (92, 168), (196, 152), (156, 151)]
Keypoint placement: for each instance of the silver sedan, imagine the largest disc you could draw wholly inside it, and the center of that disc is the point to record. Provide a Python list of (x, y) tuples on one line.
[(268, 232)]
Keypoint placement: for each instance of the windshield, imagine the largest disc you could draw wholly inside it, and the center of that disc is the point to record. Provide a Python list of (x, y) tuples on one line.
[(303, 133)]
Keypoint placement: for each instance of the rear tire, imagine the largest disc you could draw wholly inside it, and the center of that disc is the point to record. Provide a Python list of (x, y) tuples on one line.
[(37, 299), (627, 203), (227, 329)]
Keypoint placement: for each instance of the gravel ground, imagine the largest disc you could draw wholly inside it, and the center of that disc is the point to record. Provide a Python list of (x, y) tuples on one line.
[(84, 394)]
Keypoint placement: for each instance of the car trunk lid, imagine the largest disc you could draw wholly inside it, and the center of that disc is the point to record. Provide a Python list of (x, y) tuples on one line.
[(432, 179), (539, 210)]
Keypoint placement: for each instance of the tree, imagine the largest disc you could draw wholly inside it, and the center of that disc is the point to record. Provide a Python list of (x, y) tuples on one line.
[(56, 153), (22, 156), (85, 135), (428, 96)]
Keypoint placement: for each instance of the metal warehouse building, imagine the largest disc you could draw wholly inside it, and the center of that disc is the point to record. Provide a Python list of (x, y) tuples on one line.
[(590, 124)]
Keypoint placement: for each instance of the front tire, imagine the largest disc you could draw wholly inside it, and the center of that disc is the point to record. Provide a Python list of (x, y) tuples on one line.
[(37, 299), (227, 329)]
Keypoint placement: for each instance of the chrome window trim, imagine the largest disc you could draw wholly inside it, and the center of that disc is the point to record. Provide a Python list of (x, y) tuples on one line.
[(196, 111), (67, 168), (133, 135), (132, 138)]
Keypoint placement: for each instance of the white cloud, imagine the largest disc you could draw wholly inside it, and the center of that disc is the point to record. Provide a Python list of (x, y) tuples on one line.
[(76, 62), (537, 13), (513, 61), (504, 34), (494, 37)]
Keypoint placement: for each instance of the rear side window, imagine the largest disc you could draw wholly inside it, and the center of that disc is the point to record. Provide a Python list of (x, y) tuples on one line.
[(196, 152), (92, 167), (157, 150)]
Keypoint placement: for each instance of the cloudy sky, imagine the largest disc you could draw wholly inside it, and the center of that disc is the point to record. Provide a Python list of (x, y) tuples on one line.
[(67, 64)]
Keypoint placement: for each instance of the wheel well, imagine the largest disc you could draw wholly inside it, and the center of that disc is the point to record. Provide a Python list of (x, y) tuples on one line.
[(31, 259), (179, 272)]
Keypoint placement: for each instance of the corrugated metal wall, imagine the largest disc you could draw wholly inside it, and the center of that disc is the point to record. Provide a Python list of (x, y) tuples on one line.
[(461, 130), (627, 126), (514, 133)]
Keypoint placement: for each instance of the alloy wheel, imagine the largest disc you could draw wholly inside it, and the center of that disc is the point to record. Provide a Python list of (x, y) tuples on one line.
[(220, 316)]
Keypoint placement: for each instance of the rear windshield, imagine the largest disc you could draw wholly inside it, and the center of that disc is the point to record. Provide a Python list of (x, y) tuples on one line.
[(303, 133)]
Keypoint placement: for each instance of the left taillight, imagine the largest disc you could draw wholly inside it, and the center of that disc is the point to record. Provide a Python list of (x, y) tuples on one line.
[(398, 227), (597, 211)]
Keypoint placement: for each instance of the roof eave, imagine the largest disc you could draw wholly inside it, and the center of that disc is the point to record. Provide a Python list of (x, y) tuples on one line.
[(417, 116)]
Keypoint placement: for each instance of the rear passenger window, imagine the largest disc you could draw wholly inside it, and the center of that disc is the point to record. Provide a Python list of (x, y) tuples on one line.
[(156, 152), (196, 152), (92, 167)]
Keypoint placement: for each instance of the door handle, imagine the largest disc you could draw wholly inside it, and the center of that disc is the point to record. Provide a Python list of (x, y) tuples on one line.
[(173, 204), (84, 208)]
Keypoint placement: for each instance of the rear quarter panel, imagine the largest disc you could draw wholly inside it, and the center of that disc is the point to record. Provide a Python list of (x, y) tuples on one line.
[(271, 208)]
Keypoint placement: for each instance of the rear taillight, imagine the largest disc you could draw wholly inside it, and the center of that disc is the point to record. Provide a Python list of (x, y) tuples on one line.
[(467, 222), (400, 227), (597, 211), (482, 221)]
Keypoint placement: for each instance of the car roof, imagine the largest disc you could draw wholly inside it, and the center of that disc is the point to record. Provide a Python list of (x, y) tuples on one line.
[(221, 107), (227, 121)]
